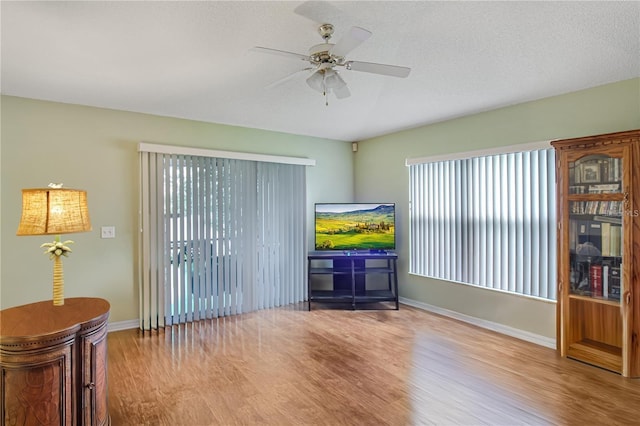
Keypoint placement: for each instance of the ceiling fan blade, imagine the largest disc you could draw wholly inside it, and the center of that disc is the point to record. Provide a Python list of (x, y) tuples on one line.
[(390, 70), (287, 78), (280, 53), (319, 11), (342, 92), (350, 41)]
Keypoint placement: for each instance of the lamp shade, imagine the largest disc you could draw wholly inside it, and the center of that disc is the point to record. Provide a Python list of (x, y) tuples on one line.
[(54, 211)]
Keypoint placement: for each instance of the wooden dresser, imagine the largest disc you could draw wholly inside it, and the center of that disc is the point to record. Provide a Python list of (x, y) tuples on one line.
[(53, 363)]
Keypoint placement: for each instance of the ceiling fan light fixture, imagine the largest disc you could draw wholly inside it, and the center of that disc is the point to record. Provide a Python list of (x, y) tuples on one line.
[(333, 80), (316, 82)]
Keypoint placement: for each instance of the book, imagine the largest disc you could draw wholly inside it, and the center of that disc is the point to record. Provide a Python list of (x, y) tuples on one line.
[(595, 280), (606, 239), (604, 170), (615, 240), (614, 283), (605, 281), (611, 217), (605, 188), (573, 234), (576, 189)]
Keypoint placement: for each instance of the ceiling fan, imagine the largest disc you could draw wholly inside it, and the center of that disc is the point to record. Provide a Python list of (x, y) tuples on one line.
[(326, 58)]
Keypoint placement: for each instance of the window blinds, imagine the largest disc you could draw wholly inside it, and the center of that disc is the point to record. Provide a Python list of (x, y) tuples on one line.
[(488, 221), (219, 236)]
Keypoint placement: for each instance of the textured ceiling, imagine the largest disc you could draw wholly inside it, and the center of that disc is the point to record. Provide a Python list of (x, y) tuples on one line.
[(194, 60)]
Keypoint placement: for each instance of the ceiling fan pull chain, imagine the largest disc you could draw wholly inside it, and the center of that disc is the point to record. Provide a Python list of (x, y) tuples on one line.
[(324, 87)]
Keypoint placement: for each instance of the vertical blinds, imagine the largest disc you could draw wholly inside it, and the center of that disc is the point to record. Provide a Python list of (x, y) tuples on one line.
[(219, 237), (488, 221)]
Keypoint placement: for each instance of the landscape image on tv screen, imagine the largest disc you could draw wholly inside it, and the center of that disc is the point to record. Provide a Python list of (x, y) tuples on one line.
[(355, 226)]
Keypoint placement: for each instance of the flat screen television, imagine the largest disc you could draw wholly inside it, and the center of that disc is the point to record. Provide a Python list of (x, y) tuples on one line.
[(355, 226)]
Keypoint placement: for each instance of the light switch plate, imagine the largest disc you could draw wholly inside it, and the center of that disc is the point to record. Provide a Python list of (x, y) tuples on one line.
[(108, 232)]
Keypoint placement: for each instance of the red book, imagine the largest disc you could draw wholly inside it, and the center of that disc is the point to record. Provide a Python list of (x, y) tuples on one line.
[(595, 279)]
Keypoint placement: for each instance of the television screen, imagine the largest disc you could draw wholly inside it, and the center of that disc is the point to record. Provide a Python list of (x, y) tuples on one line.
[(352, 226)]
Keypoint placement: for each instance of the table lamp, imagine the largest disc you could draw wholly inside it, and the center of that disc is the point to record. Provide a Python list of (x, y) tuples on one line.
[(54, 211)]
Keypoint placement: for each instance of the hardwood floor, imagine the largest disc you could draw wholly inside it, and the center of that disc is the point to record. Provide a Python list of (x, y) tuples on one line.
[(288, 366)]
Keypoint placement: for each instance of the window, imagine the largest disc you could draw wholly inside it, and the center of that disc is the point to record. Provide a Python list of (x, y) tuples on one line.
[(488, 221), (219, 236)]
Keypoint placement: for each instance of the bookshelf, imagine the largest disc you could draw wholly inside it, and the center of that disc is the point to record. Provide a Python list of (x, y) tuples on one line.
[(598, 200)]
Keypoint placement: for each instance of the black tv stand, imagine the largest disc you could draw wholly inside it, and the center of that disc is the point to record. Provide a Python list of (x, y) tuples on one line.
[(349, 270)]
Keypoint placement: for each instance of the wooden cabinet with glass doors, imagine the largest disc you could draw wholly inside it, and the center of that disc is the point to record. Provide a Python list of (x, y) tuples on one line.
[(598, 184)]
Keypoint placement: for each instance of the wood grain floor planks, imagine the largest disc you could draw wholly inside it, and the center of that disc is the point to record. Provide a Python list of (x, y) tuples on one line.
[(288, 366)]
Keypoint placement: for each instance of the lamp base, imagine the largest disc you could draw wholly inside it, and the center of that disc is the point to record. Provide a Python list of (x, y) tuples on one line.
[(58, 282)]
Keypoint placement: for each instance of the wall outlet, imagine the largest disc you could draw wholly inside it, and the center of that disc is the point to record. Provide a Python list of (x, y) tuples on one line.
[(108, 232)]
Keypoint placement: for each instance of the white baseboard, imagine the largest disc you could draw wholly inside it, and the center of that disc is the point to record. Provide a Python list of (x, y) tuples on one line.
[(122, 325), (489, 325)]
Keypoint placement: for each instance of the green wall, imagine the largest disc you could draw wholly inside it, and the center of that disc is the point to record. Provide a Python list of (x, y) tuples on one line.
[(381, 175), (96, 150)]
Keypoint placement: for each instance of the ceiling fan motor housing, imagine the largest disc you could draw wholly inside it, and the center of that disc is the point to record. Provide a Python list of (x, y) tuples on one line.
[(320, 54)]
